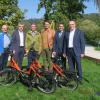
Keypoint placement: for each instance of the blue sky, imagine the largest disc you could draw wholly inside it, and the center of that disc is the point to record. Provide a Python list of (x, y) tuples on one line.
[(32, 5)]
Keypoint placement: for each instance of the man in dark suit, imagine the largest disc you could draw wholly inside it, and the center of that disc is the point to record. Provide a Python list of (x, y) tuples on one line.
[(74, 47), (18, 44), (58, 44)]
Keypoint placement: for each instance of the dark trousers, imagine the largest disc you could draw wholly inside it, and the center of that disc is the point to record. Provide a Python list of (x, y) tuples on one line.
[(4, 59), (74, 63), (32, 55), (19, 55)]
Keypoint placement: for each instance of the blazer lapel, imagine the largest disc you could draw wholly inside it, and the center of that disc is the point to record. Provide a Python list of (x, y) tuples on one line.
[(75, 35)]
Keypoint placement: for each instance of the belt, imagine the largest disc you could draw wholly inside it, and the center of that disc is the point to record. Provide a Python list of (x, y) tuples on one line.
[(21, 46), (70, 48)]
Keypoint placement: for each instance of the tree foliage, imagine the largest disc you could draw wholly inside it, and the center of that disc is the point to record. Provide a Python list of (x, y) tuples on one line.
[(10, 12), (69, 8), (92, 31)]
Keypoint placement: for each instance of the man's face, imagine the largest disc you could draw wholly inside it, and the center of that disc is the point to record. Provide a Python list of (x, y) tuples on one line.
[(33, 27), (20, 27), (72, 25), (5, 28), (46, 25), (61, 27)]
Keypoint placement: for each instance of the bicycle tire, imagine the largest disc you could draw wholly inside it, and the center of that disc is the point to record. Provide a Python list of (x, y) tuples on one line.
[(72, 81), (7, 77), (46, 85)]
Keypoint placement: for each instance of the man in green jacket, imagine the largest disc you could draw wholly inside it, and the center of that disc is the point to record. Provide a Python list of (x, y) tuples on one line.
[(33, 44)]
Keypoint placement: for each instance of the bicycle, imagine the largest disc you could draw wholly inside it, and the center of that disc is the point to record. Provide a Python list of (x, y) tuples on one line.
[(33, 76), (64, 78)]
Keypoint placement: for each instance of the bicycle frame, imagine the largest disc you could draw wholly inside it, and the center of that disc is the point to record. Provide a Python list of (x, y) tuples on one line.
[(58, 70), (34, 67)]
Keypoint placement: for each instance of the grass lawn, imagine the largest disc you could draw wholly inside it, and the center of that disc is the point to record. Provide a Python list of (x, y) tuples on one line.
[(97, 48), (86, 91)]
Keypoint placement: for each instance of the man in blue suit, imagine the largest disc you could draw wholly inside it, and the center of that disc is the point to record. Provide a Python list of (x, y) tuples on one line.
[(4, 46), (59, 43), (74, 47), (18, 44)]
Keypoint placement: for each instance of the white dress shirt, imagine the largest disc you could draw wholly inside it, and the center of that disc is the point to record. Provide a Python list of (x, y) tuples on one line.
[(71, 37), (21, 35)]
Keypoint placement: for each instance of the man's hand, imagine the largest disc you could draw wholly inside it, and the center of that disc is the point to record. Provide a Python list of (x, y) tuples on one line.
[(82, 55), (26, 51), (14, 51), (64, 55), (53, 54)]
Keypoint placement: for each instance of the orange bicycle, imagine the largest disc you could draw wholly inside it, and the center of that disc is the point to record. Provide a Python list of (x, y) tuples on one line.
[(64, 78), (33, 76)]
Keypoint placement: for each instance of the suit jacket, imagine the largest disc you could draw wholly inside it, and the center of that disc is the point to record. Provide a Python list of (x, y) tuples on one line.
[(1, 42), (15, 42), (58, 42), (47, 37), (78, 42)]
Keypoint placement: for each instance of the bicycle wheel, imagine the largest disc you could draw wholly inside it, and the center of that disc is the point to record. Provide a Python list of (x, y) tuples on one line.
[(46, 84), (71, 81), (7, 77)]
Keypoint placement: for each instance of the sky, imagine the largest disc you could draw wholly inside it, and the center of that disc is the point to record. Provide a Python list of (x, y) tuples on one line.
[(32, 5)]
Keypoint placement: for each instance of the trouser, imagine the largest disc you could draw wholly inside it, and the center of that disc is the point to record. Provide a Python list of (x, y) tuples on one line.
[(19, 55), (4, 59), (74, 63), (32, 55), (46, 54)]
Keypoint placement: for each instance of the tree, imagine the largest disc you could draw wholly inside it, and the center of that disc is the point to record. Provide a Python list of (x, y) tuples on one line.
[(70, 8), (91, 29), (62, 10), (10, 12)]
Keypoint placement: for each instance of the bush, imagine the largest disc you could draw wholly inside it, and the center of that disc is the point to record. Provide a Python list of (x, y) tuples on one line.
[(92, 31)]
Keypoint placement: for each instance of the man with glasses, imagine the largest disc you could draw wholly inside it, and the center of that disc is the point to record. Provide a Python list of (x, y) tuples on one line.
[(47, 36)]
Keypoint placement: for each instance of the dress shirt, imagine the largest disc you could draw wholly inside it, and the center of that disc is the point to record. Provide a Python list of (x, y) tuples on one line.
[(1, 42), (71, 37), (6, 40), (21, 35)]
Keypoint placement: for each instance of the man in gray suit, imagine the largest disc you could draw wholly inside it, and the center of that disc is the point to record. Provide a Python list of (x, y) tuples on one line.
[(18, 44), (74, 47)]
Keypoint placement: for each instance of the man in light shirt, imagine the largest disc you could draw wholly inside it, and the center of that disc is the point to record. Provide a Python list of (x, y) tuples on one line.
[(4, 45), (18, 44), (74, 47)]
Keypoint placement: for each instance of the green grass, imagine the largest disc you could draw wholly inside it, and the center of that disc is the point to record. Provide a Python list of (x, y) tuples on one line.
[(86, 91), (97, 48)]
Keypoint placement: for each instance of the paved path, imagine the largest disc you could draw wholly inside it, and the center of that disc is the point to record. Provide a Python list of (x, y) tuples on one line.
[(92, 53)]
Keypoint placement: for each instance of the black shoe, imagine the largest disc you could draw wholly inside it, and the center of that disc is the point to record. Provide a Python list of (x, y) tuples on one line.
[(80, 82), (30, 88)]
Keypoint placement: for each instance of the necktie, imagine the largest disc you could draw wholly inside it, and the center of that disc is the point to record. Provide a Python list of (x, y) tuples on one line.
[(60, 34)]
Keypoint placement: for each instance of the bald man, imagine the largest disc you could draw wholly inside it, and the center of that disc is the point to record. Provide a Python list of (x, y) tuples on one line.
[(74, 48), (4, 43)]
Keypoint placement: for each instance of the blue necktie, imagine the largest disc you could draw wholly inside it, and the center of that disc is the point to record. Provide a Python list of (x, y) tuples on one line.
[(60, 34)]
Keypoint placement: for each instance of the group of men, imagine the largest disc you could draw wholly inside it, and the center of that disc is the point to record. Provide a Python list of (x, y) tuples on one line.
[(68, 44)]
